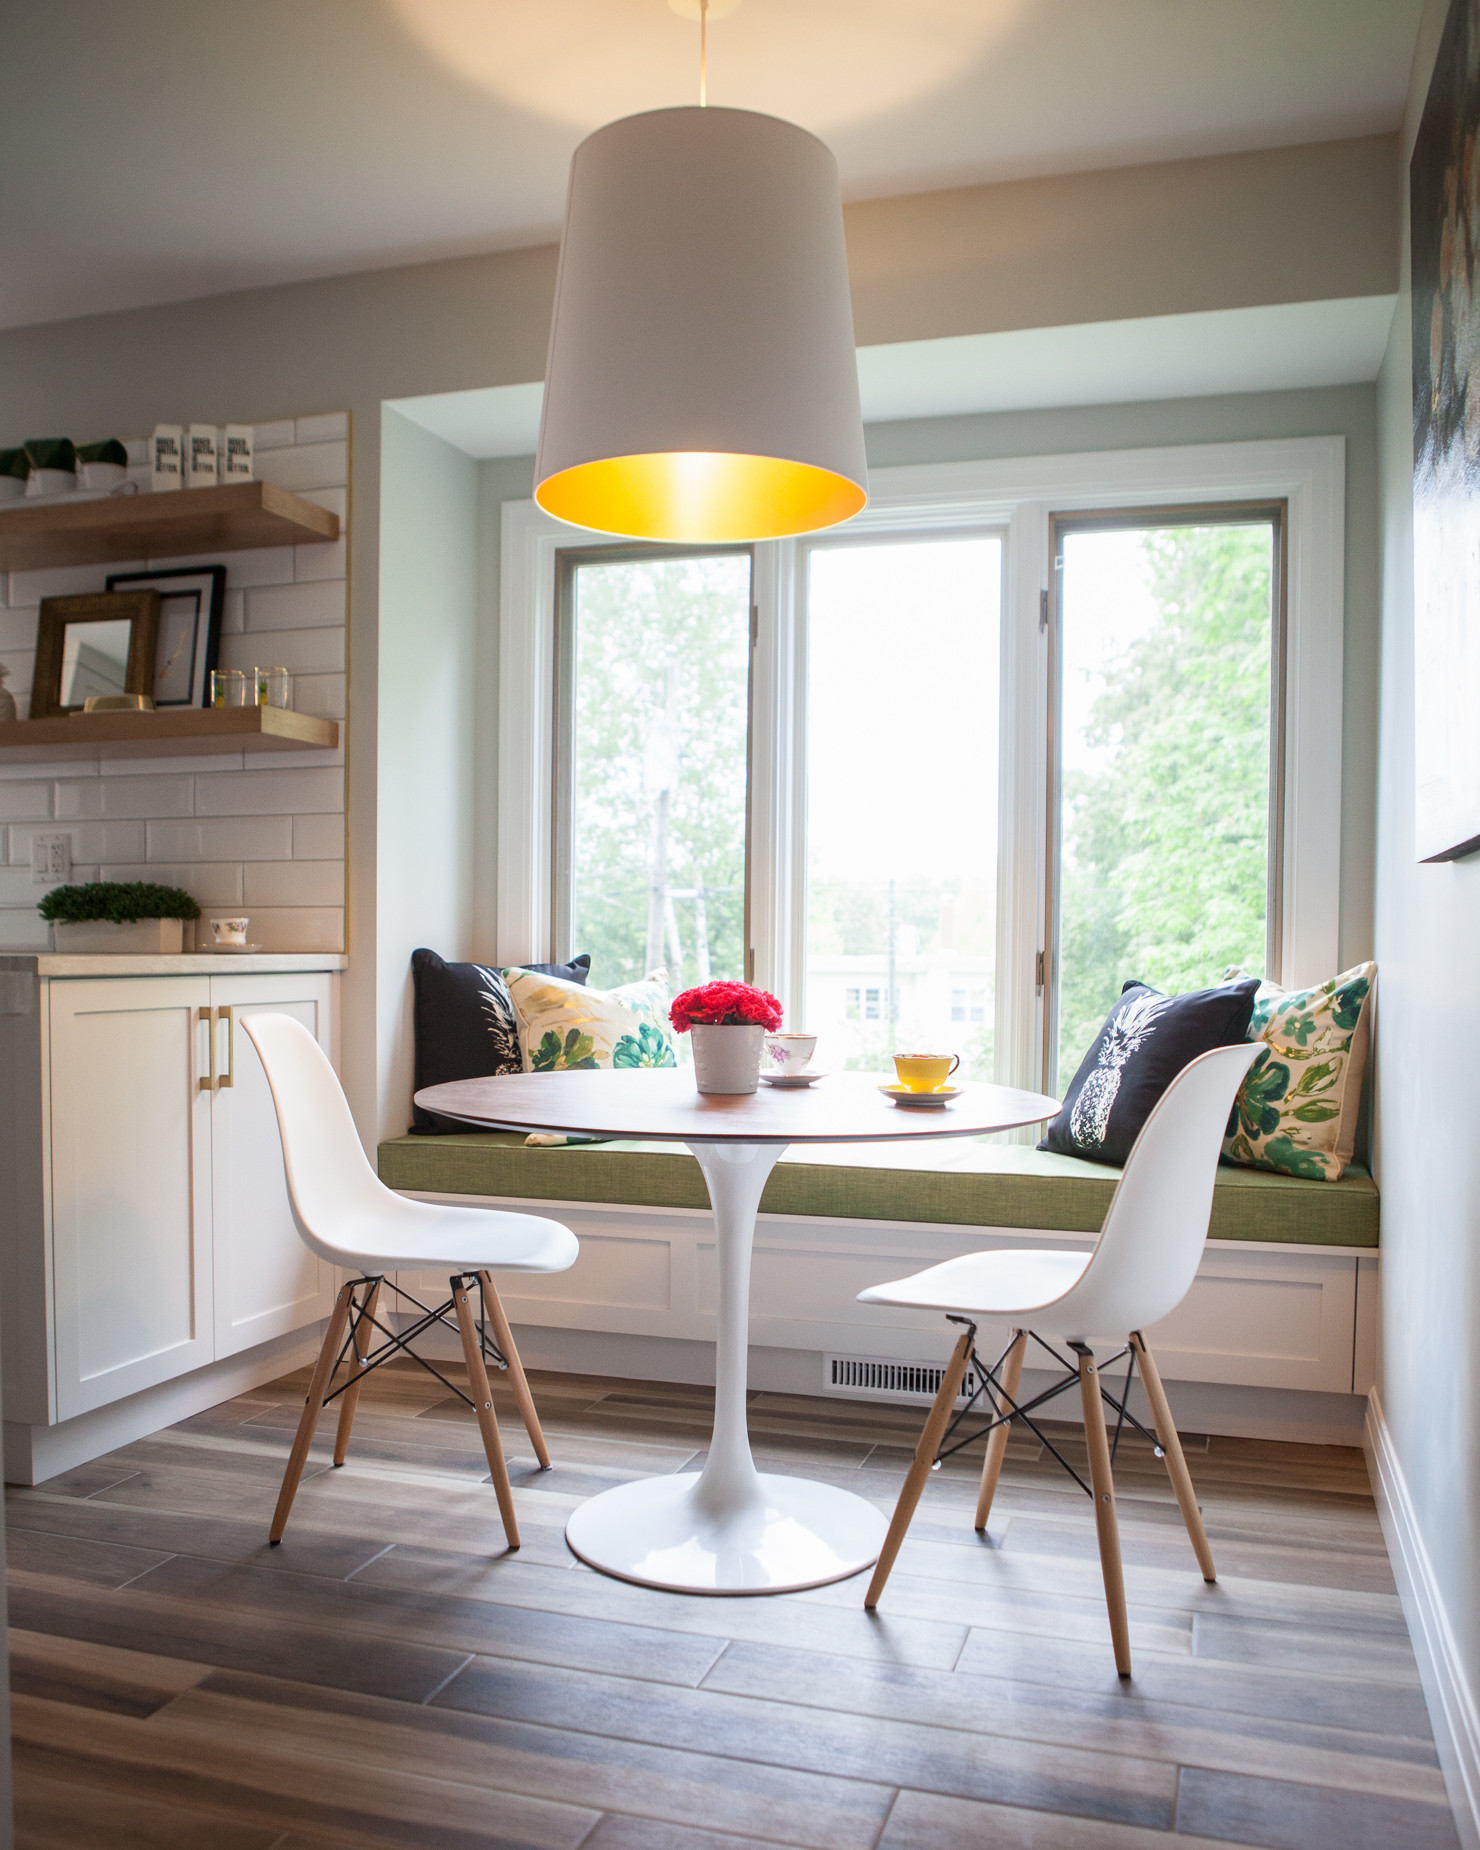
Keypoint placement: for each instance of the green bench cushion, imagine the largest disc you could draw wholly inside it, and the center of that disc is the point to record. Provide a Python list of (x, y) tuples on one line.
[(958, 1182)]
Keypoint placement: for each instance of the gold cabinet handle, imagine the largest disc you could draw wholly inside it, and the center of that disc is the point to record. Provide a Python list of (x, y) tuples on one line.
[(228, 1077), (208, 1018)]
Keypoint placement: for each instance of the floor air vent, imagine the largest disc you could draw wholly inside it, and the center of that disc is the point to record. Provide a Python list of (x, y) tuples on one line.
[(869, 1378)]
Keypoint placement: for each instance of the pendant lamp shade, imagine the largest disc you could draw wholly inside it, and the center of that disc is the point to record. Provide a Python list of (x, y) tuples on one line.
[(701, 383)]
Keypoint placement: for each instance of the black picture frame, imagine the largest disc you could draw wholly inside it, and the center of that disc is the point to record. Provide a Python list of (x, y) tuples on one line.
[(192, 599)]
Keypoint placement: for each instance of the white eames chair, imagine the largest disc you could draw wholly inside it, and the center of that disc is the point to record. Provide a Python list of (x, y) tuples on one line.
[(347, 1216), (1140, 1269)]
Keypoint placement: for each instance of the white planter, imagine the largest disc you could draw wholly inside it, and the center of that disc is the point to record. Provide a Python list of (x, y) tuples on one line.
[(142, 936), (728, 1059)]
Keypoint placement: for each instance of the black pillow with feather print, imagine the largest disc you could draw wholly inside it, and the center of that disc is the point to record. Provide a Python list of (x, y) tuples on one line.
[(466, 1027), (1146, 1041)]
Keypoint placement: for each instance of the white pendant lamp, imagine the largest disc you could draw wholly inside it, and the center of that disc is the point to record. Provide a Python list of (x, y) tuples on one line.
[(701, 383)]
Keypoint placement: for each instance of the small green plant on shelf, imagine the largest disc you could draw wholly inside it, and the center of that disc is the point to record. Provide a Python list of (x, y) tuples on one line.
[(119, 902)]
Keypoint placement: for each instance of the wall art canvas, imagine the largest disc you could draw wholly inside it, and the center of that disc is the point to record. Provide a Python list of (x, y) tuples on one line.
[(1444, 192)]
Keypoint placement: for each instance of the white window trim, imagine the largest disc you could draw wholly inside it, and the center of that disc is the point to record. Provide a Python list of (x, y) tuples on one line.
[(1016, 496)]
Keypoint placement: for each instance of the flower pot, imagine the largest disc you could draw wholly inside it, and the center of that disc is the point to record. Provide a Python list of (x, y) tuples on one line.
[(727, 1059), (149, 936)]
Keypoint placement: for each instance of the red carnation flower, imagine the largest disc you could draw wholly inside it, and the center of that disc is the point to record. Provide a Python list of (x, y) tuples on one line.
[(725, 1005)]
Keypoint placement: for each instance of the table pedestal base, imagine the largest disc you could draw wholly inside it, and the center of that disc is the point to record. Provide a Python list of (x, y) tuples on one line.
[(666, 1532)]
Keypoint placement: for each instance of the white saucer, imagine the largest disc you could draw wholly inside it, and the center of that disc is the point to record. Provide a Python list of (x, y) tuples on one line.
[(230, 950), (791, 1081), (926, 1100)]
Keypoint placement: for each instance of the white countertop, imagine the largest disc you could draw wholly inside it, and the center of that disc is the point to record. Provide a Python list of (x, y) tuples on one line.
[(186, 963)]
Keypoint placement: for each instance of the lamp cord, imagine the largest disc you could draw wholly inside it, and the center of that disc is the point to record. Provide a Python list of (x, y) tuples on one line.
[(703, 54)]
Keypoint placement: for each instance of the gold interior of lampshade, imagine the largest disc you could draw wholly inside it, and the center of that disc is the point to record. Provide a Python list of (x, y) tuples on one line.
[(700, 496)]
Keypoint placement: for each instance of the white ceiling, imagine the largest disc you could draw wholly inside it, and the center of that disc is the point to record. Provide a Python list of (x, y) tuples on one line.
[(1113, 362), (153, 150)]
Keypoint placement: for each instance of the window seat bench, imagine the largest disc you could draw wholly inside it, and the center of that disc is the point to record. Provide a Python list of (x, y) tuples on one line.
[(1275, 1340), (954, 1182)]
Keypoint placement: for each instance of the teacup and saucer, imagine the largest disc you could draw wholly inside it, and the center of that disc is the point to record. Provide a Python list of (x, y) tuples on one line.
[(922, 1079), (786, 1060)]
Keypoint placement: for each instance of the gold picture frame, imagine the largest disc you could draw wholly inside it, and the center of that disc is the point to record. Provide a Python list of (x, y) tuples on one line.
[(139, 609)]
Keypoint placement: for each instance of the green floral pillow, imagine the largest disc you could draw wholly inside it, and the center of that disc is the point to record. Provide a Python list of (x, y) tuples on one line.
[(1296, 1111), (568, 1028)]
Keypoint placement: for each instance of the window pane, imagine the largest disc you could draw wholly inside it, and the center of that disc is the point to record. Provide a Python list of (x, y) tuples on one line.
[(658, 779), (902, 801), (1164, 815)]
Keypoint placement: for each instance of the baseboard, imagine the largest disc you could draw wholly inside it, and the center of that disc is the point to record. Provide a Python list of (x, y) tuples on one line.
[(35, 1453), (1288, 1414), (1451, 1701)]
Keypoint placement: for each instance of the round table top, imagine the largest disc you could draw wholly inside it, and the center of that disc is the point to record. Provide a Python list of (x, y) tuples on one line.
[(663, 1103)]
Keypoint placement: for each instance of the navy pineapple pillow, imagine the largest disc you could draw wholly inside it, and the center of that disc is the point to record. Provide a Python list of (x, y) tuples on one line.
[(1146, 1041)]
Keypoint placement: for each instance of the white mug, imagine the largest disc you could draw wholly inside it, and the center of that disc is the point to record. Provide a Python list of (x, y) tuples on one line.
[(229, 931), (790, 1053)]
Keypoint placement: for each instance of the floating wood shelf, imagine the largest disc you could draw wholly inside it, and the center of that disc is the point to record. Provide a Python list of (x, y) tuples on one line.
[(171, 733), (191, 520)]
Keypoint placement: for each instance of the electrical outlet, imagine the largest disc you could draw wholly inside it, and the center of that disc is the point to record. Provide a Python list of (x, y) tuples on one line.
[(51, 859)]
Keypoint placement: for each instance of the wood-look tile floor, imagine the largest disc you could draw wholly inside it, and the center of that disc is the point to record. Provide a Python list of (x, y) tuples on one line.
[(391, 1678)]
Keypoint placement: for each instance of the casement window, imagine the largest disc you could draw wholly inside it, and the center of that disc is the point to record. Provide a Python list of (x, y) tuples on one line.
[(944, 778)]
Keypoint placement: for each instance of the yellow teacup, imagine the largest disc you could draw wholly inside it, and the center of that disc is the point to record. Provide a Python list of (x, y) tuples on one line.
[(925, 1072)]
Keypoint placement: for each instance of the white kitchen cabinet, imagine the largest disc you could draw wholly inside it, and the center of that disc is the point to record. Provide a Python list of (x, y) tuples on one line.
[(130, 1187), (267, 1282), (147, 1236)]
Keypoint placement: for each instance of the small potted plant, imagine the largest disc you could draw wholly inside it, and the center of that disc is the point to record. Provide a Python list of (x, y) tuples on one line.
[(729, 1023), (118, 916)]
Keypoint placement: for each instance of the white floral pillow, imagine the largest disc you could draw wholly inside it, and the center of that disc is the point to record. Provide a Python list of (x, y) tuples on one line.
[(1296, 1111), (567, 1027)]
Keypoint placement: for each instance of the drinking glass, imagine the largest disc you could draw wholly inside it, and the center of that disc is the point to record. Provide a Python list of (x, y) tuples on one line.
[(230, 688), (274, 687)]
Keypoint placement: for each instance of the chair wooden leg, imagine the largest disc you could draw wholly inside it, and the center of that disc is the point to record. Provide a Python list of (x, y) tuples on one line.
[(919, 1471), (1171, 1444), (350, 1398), (1103, 1483), (312, 1407), (523, 1399), (482, 1397), (1012, 1375)]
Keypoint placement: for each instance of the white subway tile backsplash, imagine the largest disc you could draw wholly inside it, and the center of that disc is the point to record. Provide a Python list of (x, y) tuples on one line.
[(306, 465), (172, 767), (329, 560), (297, 928), (65, 767), (91, 841), (233, 838), (233, 613), (137, 451), (18, 889), (296, 606), (209, 883), (275, 436), (301, 652), (64, 581), (261, 565), (293, 883), (324, 427), (25, 802), (23, 931), (319, 693), (271, 793), (125, 795), (318, 838), (18, 628)]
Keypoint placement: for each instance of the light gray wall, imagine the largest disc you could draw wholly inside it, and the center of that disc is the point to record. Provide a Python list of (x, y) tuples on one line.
[(1427, 1074), (429, 723)]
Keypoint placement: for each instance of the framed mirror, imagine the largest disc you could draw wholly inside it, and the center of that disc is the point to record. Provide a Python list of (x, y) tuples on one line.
[(93, 645)]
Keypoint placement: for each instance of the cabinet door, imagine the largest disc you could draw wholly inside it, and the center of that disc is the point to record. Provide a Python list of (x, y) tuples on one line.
[(131, 1186), (267, 1281)]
